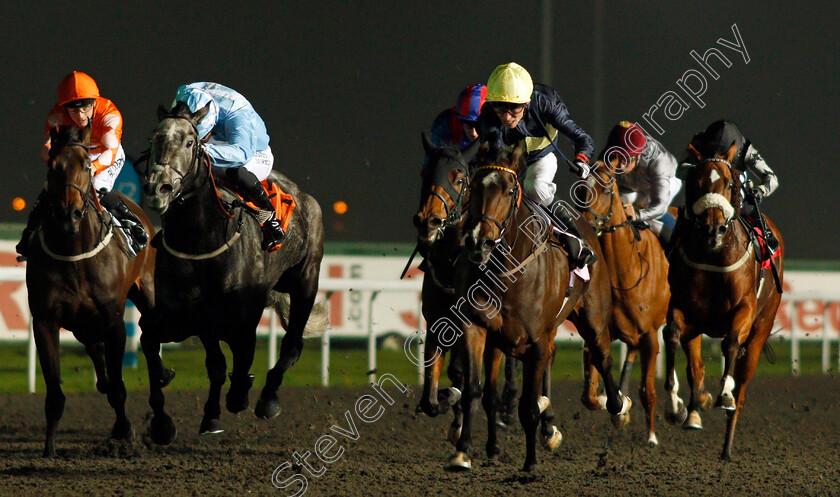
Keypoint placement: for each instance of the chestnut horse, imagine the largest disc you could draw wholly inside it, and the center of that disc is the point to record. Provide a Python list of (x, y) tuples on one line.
[(717, 288), (213, 280), (514, 291), (639, 278), (78, 275), (443, 198)]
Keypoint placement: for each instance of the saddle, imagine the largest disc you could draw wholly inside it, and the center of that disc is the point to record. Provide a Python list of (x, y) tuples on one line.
[(284, 204)]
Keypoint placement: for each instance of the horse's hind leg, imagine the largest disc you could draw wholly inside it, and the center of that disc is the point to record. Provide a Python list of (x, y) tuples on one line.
[(529, 406), (216, 365), (46, 340), (96, 352), (510, 392), (490, 399), (649, 346), (455, 372), (114, 351), (471, 353), (162, 429), (302, 300), (622, 420)]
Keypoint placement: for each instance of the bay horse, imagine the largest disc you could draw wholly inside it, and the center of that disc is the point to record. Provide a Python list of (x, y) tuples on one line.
[(78, 275), (514, 291), (443, 197), (212, 278), (638, 272), (717, 289)]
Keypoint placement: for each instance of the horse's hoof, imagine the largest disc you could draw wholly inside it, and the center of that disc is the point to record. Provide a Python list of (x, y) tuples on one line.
[(267, 409), (236, 399), (652, 440), (543, 402), (166, 377), (678, 413), (500, 423), (122, 431), (449, 396), (725, 402), (552, 440), (693, 422), (210, 427), (531, 467), (459, 462), (706, 401), (162, 430), (454, 434), (620, 421), (49, 452)]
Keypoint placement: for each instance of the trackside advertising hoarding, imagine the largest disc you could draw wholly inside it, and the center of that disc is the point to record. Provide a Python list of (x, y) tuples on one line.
[(397, 312)]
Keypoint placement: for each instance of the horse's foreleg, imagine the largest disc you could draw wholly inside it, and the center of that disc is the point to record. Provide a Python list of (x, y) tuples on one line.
[(162, 429), (46, 340), (96, 352), (301, 302), (649, 346), (589, 397), (741, 323), (627, 369), (695, 372), (434, 357), (529, 405), (490, 399), (474, 340), (455, 372), (510, 392), (617, 402), (216, 365), (242, 346), (114, 351)]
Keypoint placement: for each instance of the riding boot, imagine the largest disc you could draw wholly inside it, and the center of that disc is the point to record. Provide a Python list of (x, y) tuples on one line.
[(115, 205), (247, 185), (570, 236), (32, 222), (770, 241)]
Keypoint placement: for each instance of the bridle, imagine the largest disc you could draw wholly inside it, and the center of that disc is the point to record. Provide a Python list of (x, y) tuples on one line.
[(515, 199), (440, 178), (85, 194), (692, 216), (198, 150)]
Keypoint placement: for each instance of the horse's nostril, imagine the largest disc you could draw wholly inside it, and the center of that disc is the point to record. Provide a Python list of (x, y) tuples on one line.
[(76, 214), (434, 222), (165, 189), (721, 230), (487, 244)]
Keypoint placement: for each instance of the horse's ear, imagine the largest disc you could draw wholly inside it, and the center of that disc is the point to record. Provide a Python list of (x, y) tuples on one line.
[(162, 112), (470, 152), (428, 146), (694, 154), (200, 113), (516, 156), (84, 136), (730, 154), (482, 153), (54, 131)]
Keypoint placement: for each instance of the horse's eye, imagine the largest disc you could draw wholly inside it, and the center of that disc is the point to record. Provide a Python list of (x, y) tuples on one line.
[(510, 192), (460, 181), (189, 144)]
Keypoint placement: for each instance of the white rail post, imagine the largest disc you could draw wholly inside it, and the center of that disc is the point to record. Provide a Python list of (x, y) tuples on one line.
[(325, 358), (272, 338), (420, 343), (794, 340), (32, 358), (826, 349), (371, 340)]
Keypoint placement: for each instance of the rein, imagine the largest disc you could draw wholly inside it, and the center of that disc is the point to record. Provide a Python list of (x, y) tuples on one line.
[(515, 202)]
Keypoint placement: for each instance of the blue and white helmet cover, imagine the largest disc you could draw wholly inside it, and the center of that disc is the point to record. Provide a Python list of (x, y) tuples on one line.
[(196, 99)]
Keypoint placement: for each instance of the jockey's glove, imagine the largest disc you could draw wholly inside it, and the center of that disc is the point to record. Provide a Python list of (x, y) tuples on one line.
[(759, 193), (641, 225), (581, 168)]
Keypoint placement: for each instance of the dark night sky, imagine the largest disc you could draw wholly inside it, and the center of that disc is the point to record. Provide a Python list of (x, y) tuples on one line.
[(345, 91)]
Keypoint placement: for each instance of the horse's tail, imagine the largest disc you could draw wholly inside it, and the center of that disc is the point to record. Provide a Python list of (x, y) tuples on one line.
[(318, 318)]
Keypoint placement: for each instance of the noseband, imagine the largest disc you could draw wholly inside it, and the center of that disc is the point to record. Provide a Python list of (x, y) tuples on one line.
[(514, 203), (712, 200), (441, 179), (83, 193), (197, 150)]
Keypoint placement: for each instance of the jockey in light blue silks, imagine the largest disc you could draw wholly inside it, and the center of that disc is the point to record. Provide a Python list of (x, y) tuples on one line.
[(236, 142)]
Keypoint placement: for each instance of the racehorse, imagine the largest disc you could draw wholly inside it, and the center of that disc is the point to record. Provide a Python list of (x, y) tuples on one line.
[(212, 278), (514, 291), (639, 279), (78, 275), (718, 288), (443, 196)]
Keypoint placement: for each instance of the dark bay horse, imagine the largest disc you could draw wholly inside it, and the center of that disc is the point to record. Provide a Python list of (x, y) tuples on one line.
[(639, 279), (717, 289), (443, 196), (78, 275), (514, 291), (212, 278)]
